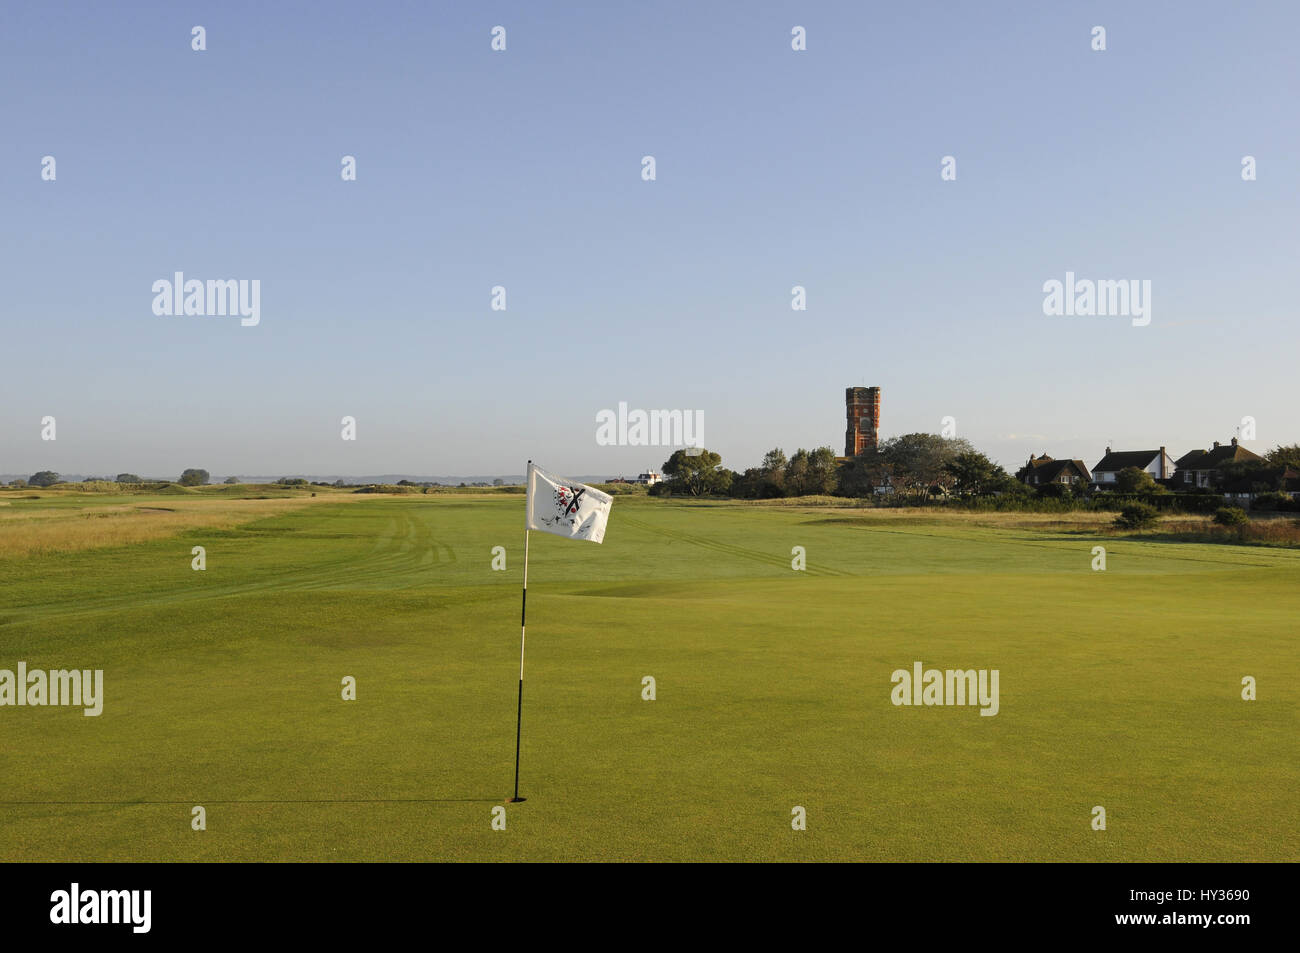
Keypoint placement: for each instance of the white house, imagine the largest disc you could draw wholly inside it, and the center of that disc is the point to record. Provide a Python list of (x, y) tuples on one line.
[(1158, 463)]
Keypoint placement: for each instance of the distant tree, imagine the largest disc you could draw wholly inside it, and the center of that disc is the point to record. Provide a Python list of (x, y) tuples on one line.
[(339, 483), (231, 480), (498, 482), (1233, 470), (974, 474), (128, 478), (194, 478), (1134, 480), (863, 474), (1287, 456), (698, 475), (796, 473), (1016, 492), (745, 485), (768, 479), (774, 459), (918, 461), (822, 471), (18, 482), (757, 484), (44, 478), (810, 472), (291, 481)]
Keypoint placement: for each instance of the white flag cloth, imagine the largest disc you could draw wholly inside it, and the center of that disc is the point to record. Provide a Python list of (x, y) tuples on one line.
[(565, 508)]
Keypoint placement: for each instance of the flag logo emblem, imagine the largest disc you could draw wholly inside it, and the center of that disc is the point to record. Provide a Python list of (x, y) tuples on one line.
[(567, 499), (566, 508)]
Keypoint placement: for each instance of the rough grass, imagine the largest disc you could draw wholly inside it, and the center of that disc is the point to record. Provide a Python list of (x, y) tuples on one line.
[(102, 486), (508, 490), (77, 523), (1277, 531)]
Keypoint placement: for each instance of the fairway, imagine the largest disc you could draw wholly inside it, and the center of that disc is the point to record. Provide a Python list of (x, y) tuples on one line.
[(222, 688)]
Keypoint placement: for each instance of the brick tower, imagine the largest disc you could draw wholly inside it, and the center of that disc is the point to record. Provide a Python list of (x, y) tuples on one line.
[(862, 405)]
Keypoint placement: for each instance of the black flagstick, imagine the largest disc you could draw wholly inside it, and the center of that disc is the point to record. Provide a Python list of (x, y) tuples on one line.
[(523, 630)]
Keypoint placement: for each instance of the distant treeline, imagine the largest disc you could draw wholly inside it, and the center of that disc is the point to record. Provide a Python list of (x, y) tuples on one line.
[(198, 477), (927, 469)]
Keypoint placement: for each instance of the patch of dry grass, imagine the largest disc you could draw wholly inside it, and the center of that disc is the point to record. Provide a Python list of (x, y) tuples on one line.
[(39, 531), (1275, 531), (915, 515)]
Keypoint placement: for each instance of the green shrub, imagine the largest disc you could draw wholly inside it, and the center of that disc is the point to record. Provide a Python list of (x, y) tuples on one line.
[(1137, 516), (1230, 516)]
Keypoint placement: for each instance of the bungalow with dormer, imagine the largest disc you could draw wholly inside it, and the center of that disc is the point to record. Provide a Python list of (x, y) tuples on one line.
[(1158, 463), (1199, 468), (1040, 471)]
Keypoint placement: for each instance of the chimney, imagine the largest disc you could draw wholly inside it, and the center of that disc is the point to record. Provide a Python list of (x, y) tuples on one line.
[(1234, 441), (1108, 449), (1216, 445), (1162, 463)]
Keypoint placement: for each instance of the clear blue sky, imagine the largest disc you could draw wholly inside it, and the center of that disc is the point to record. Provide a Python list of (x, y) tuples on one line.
[(522, 169)]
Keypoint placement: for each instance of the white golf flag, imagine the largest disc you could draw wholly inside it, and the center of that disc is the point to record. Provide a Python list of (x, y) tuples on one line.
[(565, 508)]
